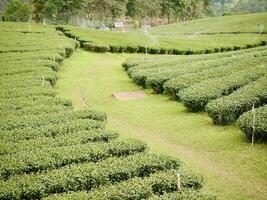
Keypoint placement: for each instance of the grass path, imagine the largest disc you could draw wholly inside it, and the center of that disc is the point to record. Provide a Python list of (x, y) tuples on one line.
[(231, 167)]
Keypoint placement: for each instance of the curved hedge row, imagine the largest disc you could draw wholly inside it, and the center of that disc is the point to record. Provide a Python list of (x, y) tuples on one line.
[(44, 109), (22, 102), (138, 188), (27, 121), (47, 148), (173, 86), (227, 109), (45, 158), (52, 130), (84, 176), (156, 76), (116, 42), (80, 137), (197, 96), (245, 123), (185, 194), (170, 60)]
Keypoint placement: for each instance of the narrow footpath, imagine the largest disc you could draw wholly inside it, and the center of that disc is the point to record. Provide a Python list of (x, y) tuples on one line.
[(232, 169)]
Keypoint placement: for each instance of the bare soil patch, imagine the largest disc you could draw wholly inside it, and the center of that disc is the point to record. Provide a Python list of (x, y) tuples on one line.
[(126, 96)]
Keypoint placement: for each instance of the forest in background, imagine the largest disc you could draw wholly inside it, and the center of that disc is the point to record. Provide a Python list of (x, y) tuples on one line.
[(105, 12)]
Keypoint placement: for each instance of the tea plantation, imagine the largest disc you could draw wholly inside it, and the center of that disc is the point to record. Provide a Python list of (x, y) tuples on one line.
[(193, 37), (226, 85), (50, 151)]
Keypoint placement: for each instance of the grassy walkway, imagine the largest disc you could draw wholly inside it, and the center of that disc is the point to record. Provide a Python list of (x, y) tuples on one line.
[(231, 167)]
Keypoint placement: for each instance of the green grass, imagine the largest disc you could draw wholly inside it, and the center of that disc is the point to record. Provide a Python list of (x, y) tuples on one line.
[(194, 37), (231, 167), (249, 23)]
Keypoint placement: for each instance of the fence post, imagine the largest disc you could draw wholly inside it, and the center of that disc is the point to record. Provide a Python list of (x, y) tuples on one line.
[(43, 81), (178, 181), (253, 124)]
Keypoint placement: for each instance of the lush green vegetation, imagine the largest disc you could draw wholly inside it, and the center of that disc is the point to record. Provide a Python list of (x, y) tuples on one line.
[(104, 12), (230, 83), (49, 148), (246, 123), (230, 165), (194, 37), (231, 7)]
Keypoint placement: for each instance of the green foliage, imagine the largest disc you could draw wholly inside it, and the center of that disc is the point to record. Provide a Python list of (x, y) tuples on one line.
[(36, 160), (227, 109), (234, 7), (17, 11), (225, 84), (84, 176), (179, 39), (75, 138), (138, 188), (49, 148), (173, 86), (28, 121), (185, 194), (56, 9), (245, 123), (197, 96)]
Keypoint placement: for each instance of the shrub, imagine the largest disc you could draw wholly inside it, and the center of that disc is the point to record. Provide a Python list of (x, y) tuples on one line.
[(132, 49), (55, 157), (227, 109), (84, 176), (245, 123), (96, 48), (137, 188), (197, 96), (17, 11)]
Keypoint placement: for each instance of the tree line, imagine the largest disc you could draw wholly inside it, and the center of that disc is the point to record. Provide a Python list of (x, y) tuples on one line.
[(137, 10)]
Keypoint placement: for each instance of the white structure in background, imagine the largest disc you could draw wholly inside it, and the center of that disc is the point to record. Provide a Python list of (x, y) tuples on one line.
[(119, 24)]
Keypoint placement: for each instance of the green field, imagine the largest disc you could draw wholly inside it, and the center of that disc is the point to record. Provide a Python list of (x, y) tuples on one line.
[(64, 136), (200, 36), (226, 85), (231, 167), (49, 150)]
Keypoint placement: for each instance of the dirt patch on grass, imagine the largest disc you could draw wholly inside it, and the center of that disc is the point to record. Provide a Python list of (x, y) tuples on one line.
[(126, 96)]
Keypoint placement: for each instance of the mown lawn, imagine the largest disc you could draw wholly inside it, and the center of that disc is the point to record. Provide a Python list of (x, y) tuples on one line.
[(231, 167)]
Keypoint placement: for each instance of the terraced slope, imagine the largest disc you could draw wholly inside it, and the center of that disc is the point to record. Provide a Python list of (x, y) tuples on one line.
[(226, 85), (48, 150), (195, 37)]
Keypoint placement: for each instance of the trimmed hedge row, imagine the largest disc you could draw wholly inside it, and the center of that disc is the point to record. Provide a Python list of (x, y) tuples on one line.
[(185, 194), (245, 123), (158, 61), (99, 41), (197, 96), (42, 159), (84, 176), (226, 110), (81, 137), (36, 110), (138, 188), (173, 86), (34, 91), (155, 77), (27, 121), (52, 130)]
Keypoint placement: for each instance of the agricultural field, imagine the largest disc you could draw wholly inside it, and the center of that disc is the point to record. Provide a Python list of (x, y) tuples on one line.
[(193, 37), (226, 85), (64, 136), (51, 151)]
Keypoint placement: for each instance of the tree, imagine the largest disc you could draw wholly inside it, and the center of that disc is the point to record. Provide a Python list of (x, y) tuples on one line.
[(56, 9), (17, 11), (167, 9), (139, 9)]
